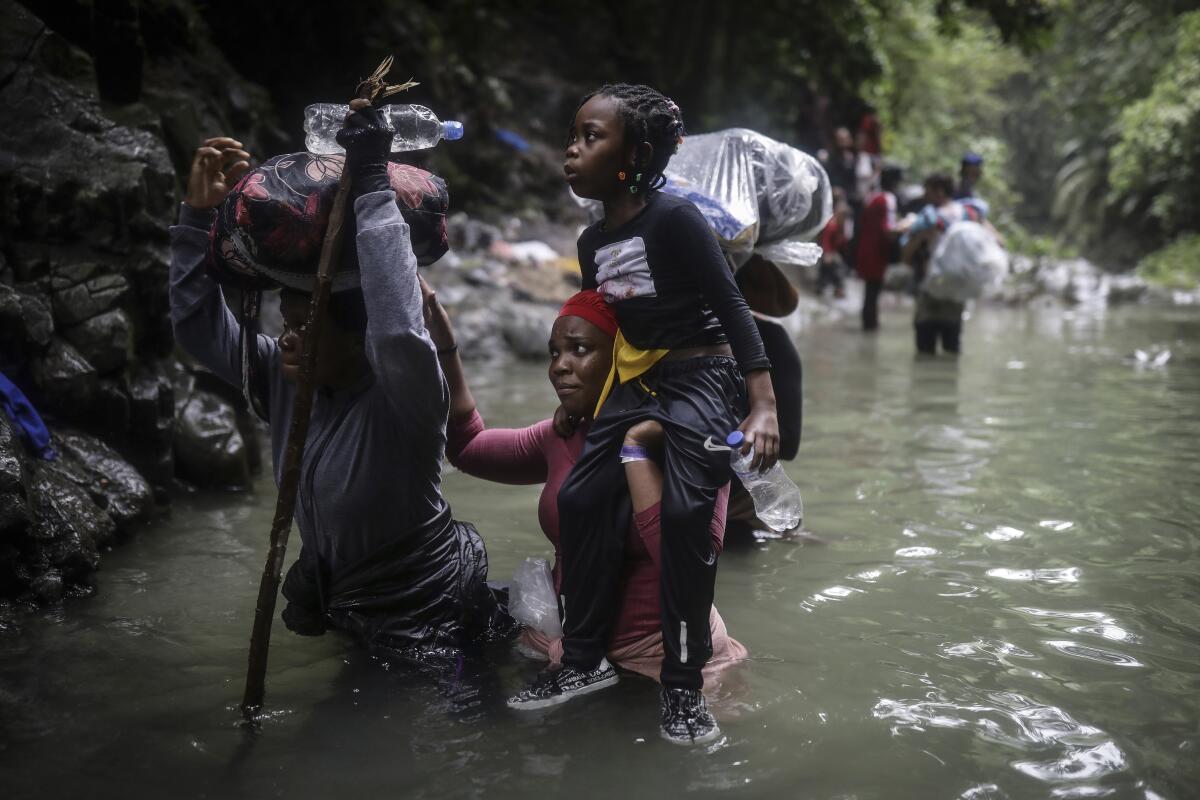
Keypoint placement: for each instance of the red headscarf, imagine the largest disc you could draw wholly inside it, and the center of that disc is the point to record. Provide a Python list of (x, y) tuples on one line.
[(590, 305)]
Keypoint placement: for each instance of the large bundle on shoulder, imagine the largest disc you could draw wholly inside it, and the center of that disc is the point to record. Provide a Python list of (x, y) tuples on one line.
[(271, 227), (965, 262), (758, 195)]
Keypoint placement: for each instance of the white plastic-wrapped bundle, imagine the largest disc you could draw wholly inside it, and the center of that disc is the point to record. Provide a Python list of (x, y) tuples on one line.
[(757, 194), (966, 261)]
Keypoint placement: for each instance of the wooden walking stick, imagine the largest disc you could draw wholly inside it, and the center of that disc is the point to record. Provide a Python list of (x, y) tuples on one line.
[(372, 89)]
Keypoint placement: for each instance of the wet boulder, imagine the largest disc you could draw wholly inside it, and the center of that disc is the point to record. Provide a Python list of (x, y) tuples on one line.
[(77, 303), (68, 527), (478, 333), (65, 379), (1127, 288), (526, 328), (111, 482), (469, 234), (105, 340), (25, 321), (209, 447), (14, 509)]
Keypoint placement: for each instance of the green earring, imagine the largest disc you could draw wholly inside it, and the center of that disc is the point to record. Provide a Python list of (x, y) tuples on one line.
[(636, 180)]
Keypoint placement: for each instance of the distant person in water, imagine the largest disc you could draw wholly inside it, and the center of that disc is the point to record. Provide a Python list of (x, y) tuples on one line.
[(841, 163), (938, 319), (970, 171), (878, 229), (380, 555), (834, 241)]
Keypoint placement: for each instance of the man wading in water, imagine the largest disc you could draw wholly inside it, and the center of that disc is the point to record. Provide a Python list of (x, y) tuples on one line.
[(381, 556)]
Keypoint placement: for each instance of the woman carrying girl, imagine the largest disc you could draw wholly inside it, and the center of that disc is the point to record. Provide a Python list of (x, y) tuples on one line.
[(682, 323), (580, 357)]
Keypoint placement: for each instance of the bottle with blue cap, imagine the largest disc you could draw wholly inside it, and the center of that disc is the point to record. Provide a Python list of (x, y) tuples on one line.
[(777, 500), (416, 127)]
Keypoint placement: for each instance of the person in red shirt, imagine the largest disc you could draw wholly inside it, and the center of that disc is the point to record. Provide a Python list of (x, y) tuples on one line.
[(871, 132), (833, 244), (877, 234)]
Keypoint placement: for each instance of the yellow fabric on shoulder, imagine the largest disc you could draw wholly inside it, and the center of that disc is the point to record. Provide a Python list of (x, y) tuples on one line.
[(628, 362)]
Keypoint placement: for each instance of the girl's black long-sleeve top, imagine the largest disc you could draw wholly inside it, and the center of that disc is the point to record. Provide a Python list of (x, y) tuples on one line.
[(670, 286)]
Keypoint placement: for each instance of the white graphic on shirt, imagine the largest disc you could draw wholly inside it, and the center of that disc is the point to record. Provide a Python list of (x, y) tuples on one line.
[(622, 271)]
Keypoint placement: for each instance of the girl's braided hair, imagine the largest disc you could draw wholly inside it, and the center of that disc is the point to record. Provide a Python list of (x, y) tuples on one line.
[(650, 117)]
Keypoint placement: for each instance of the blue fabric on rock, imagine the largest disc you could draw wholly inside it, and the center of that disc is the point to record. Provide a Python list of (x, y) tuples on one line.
[(22, 412)]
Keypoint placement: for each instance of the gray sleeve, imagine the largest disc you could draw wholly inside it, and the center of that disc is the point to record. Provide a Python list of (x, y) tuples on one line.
[(399, 349), (204, 326)]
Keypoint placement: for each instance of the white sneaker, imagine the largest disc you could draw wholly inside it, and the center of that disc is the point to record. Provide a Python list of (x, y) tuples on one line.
[(552, 688)]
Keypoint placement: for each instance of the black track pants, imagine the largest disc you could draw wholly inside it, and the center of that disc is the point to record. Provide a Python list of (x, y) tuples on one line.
[(929, 331), (693, 400), (870, 309)]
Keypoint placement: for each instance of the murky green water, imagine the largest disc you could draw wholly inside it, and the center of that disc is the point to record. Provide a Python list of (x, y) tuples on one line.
[(1007, 605)]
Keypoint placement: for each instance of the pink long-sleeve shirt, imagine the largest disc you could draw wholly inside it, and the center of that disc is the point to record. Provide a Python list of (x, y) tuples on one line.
[(536, 454)]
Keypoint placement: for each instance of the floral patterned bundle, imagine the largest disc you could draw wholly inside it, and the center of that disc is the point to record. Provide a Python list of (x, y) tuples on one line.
[(270, 229)]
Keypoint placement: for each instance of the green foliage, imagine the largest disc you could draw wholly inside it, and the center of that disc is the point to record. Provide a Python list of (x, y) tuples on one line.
[(1177, 265), (942, 95), (1026, 23), (1102, 57), (1155, 167), (1019, 239), (1080, 187)]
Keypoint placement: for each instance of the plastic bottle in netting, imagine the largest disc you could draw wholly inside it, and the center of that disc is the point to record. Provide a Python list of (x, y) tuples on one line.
[(417, 128), (776, 499)]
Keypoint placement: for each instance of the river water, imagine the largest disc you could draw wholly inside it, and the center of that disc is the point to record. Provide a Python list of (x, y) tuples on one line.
[(1005, 604)]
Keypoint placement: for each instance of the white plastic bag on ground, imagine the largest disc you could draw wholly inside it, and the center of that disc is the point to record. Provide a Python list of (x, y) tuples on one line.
[(531, 599), (966, 261)]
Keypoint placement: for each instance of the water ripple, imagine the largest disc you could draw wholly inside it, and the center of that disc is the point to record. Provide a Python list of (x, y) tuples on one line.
[(1094, 654), (1048, 576), (1086, 764), (1008, 718), (1113, 633), (993, 652), (916, 552), (1003, 533)]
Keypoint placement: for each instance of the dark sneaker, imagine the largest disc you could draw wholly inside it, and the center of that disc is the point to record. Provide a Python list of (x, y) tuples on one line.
[(552, 688), (686, 718)]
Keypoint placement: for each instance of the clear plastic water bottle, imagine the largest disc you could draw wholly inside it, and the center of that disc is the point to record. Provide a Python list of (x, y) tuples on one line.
[(776, 499), (416, 127)]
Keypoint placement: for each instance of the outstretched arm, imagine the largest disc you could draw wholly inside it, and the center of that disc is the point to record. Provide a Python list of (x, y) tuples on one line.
[(499, 454), (398, 347), (700, 250), (441, 331), (203, 324)]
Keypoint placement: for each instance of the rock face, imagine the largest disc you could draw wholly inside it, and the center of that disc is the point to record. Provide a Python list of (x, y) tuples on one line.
[(56, 515), (102, 106)]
